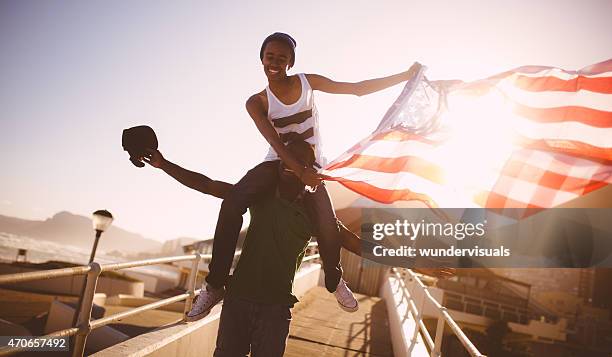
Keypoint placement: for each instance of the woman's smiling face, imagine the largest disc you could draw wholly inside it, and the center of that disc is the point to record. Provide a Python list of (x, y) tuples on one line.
[(276, 60)]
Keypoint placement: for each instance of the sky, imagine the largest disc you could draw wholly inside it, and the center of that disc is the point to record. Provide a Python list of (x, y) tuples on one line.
[(74, 74)]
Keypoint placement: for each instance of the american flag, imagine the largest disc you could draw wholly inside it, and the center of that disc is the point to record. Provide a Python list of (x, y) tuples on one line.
[(534, 137)]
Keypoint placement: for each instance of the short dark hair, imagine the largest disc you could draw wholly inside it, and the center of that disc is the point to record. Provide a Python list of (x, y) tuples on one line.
[(303, 152), (282, 37)]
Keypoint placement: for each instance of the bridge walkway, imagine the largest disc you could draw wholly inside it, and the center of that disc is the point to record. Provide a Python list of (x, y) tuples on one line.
[(321, 328)]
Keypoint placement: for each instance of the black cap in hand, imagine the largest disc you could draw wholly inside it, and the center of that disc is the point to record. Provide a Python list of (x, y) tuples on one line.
[(137, 140)]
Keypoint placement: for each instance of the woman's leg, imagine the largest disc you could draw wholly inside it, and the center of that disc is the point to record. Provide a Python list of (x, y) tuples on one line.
[(256, 184), (327, 231)]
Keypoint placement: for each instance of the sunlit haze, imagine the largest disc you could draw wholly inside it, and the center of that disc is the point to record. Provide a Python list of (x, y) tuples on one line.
[(75, 74)]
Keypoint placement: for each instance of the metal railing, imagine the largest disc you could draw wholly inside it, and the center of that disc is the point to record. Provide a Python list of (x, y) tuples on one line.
[(434, 345), (92, 271)]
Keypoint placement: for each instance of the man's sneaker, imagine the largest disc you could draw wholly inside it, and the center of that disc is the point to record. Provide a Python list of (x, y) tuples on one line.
[(207, 299), (345, 297)]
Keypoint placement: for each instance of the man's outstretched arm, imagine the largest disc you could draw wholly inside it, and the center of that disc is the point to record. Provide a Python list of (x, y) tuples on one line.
[(324, 84), (356, 245), (191, 179)]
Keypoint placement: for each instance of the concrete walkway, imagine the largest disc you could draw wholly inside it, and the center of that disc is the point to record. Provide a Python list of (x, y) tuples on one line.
[(320, 328)]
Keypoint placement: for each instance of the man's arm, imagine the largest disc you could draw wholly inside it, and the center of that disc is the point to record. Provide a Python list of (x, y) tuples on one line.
[(193, 180), (258, 113), (354, 244), (324, 84)]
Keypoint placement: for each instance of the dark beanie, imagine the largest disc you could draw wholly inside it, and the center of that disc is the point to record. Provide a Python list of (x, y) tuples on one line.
[(282, 37), (137, 140)]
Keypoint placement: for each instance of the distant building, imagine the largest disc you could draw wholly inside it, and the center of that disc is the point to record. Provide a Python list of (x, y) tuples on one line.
[(202, 247)]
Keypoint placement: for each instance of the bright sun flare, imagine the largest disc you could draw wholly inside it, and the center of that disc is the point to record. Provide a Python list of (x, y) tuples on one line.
[(480, 141)]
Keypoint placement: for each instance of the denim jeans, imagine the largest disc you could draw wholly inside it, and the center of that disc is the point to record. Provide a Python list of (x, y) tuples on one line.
[(259, 182), (247, 326)]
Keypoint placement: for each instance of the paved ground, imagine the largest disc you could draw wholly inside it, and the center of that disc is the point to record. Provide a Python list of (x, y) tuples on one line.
[(319, 328)]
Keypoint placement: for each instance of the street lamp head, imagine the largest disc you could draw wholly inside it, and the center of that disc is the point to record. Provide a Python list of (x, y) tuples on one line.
[(102, 219)]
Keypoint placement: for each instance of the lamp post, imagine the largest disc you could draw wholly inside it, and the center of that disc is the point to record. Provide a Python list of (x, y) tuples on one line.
[(101, 220)]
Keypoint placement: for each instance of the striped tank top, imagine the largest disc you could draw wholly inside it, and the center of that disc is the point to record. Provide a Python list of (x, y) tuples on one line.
[(297, 121)]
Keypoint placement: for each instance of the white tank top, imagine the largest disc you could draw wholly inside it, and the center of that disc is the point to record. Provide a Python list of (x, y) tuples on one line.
[(297, 121)]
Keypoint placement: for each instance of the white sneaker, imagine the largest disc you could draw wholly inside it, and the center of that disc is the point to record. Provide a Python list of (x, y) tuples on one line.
[(207, 299), (345, 297)]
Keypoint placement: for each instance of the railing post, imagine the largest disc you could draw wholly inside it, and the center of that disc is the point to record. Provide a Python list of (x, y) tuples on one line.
[(414, 284), (437, 350), (191, 281), (84, 319), (418, 317)]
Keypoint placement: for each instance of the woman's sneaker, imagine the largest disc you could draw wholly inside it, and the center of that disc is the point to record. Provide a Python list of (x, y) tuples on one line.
[(207, 299), (345, 297)]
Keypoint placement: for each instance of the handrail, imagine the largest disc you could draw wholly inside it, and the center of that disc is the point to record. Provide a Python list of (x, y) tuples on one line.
[(124, 314), (84, 323), (43, 274), (84, 269), (145, 262), (435, 344)]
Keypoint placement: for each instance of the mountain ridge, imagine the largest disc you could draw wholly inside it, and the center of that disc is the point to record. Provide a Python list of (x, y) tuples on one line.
[(76, 230)]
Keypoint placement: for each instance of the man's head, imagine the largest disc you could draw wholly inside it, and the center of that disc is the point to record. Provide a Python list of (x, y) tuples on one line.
[(277, 54), (304, 153)]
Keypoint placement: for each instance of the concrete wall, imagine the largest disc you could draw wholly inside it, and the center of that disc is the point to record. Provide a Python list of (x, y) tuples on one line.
[(61, 314), (195, 338), (134, 301), (115, 286), (180, 339), (60, 317), (156, 280)]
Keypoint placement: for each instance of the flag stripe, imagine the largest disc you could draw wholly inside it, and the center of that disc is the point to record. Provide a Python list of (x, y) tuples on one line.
[(494, 200), (556, 73), (416, 165), (553, 72), (594, 70), (549, 99), (387, 181), (399, 135), (518, 179), (568, 147), (561, 163), (545, 178), (397, 149), (552, 83), (588, 116), (598, 68), (565, 131), (383, 195), (540, 196)]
